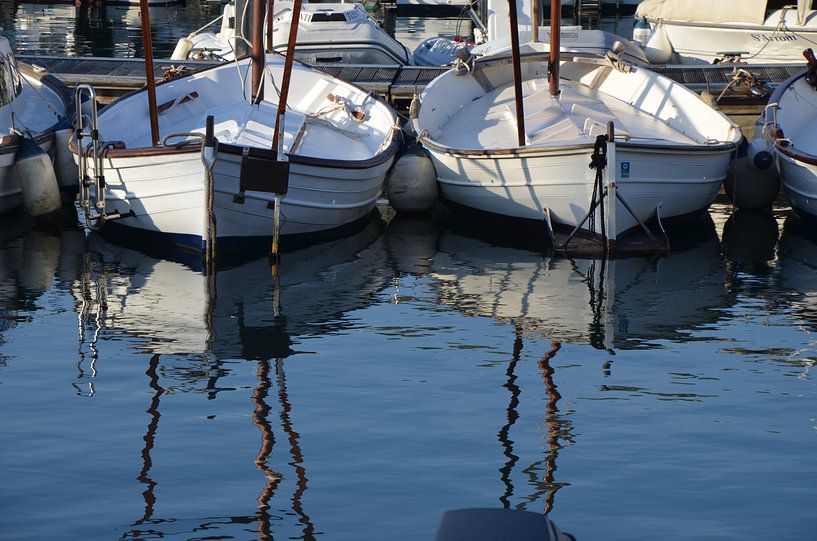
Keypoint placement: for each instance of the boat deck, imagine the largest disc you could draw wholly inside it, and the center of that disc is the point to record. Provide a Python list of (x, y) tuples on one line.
[(114, 76), (576, 117)]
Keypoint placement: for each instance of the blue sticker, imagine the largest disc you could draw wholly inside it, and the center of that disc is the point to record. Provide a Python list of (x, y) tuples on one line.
[(625, 170)]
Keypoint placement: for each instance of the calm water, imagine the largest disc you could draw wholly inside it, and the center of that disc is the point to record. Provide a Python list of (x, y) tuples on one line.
[(410, 369), (400, 372)]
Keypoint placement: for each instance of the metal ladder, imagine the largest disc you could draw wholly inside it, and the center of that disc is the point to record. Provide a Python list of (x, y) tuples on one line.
[(92, 203)]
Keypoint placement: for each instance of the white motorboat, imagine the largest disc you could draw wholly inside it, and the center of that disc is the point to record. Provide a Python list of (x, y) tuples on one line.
[(671, 150), (790, 130), (33, 105), (338, 140), (328, 33), (753, 31), (494, 38)]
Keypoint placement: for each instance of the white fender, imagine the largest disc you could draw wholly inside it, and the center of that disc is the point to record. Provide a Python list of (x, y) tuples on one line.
[(35, 173), (412, 184), (658, 48)]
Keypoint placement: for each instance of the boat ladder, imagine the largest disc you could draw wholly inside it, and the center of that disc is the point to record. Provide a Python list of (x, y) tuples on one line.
[(91, 165)]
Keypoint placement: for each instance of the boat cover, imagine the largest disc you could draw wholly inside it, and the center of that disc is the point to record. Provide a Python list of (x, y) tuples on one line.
[(720, 11)]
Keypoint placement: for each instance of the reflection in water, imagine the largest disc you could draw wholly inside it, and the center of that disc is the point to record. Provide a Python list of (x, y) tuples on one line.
[(616, 304), (556, 428), (512, 416), (295, 452), (259, 419), (172, 310), (150, 439)]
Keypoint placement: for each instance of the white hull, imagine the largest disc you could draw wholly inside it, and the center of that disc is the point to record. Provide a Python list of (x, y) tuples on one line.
[(328, 33), (741, 28), (672, 151), (166, 190), (791, 132), (662, 183)]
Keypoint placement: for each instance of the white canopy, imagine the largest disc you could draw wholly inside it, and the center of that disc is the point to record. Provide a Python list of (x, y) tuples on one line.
[(714, 11)]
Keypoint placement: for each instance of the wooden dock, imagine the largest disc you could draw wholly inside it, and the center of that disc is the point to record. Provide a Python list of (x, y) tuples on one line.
[(113, 76)]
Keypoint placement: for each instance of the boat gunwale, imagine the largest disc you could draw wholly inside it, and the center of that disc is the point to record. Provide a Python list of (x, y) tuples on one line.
[(534, 151), (381, 157)]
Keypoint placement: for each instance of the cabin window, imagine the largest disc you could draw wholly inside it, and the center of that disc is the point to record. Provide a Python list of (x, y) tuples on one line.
[(780, 4)]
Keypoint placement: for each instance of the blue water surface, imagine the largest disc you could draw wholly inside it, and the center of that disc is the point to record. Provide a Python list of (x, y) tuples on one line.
[(405, 370)]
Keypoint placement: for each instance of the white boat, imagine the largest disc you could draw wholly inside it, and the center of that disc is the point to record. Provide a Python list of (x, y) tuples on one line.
[(339, 142), (32, 104), (790, 130), (753, 31), (671, 150), (328, 33)]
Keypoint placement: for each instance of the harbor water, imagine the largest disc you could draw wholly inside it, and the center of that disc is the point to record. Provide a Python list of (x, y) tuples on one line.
[(410, 367)]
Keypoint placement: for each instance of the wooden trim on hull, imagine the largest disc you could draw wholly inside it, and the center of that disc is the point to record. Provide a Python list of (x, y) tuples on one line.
[(192, 148), (531, 151)]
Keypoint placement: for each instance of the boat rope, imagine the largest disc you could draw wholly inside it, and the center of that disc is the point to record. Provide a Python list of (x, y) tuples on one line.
[(195, 32), (598, 161)]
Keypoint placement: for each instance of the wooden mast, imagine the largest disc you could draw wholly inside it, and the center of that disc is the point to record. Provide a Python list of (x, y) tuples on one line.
[(149, 74), (282, 99), (534, 21), (270, 7), (257, 50), (517, 74), (555, 44)]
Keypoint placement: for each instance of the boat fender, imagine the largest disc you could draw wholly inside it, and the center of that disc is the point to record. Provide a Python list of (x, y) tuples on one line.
[(753, 182), (759, 155), (414, 108), (183, 48), (38, 182), (658, 48), (64, 165), (412, 183), (641, 31)]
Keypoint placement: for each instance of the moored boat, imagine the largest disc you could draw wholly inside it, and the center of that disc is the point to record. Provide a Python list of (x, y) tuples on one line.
[(337, 143), (523, 151), (328, 33), (753, 31), (790, 130), (33, 106), (240, 163)]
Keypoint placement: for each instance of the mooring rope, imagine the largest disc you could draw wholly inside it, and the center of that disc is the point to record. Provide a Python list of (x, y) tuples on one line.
[(598, 161)]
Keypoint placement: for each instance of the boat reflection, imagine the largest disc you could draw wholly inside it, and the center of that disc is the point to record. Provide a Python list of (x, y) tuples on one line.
[(798, 270), (610, 304), (617, 304), (246, 312)]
